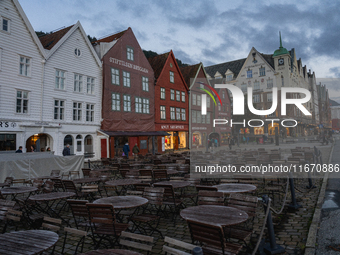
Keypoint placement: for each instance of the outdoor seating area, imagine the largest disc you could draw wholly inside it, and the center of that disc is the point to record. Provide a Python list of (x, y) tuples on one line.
[(124, 206)]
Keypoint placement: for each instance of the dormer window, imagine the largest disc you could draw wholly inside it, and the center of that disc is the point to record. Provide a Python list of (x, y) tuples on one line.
[(229, 77)]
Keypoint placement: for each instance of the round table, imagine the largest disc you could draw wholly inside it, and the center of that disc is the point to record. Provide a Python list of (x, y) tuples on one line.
[(123, 182), (86, 180), (51, 196), (214, 214), (123, 202), (235, 188), (27, 242), (175, 184), (111, 252), (17, 190)]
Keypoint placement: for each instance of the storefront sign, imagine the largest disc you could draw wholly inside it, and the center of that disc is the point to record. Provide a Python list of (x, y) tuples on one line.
[(9, 126), (129, 65), (173, 127), (199, 128)]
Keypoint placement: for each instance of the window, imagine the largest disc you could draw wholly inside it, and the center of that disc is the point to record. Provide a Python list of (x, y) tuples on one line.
[(146, 105), (178, 95), (78, 83), (90, 112), (172, 94), (172, 77), (22, 101), (5, 24), (262, 71), (208, 102), (208, 118), (25, 64), (127, 103), (203, 118), (193, 118), (162, 112), (183, 96), (244, 87), (219, 106), (198, 116), (126, 79), (256, 85), (198, 100), (162, 93), (183, 114), (256, 98), (129, 53), (59, 79), (77, 111), (59, 108), (145, 82), (172, 113), (249, 74), (282, 81), (194, 99), (77, 52), (269, 83), (115, 102), (114, 76), (269, 97), (223, 94), (229, 77), (138, 104), (90, 86), (178, 113)]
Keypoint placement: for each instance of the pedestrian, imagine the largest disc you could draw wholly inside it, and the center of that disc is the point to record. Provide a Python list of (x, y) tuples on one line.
[(216, 142), (135, 150), (126, 149), (230, 142), (32, 148), (19, 150), (48, 149), (247, 139), (244, 140), (67, 151)]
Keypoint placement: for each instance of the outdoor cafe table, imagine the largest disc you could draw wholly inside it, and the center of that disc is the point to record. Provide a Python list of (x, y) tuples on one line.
[(122, 182), (123, 202), (27, 242), (214, 214), (176, 184), (14, 191), (86, 180), (49, 199), (235, 188), (111, 252)]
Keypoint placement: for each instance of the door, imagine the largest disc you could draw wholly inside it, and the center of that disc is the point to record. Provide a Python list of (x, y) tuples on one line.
[(132, 142), (103, 146)]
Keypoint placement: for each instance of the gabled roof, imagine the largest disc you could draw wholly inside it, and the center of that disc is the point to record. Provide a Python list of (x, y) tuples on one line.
[(190, 72), (29, 27), (234, 66), (111, 38), (157, 63), (49, 40), (269, 59)]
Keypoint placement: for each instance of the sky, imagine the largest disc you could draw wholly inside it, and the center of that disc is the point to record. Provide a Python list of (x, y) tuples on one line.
[(210, 32)]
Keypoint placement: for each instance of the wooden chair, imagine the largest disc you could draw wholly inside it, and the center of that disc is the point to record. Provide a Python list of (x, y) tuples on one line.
[(207, 188), (170, 247), (212, 238), (160, 175), (18, 182), (136, 241), (103, 223), (9, 181), (51, 224), (58, 184), (80, 213), (206, 197), (86, 172), (55, 173), (65, 175), (74, 173), (13, 217), (76, 232), (90, 191), (48, 187), (5, 205)]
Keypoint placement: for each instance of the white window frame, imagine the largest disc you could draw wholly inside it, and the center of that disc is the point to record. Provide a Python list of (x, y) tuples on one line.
[(270, 83), (250, 74), (256, 98), (229, 77), (194, 99), (8, 25), (172, 94), (59, 109), (78, 83), (59, 79), (145, 83), (178, 113), (90, 85), (256, 85), (172, 113), (127, 103), (262, 71), (193, 116), (115, 76), (162, 93), (138, 105), (269, 97), (126, 79), (198, 100), (172, 77), (24, 66), (162, 112), (129, 53), (183, 113), (146, 105), (77, 111), (115, 102), (90, 112), (183, 96), (22, 99), (178, 95)]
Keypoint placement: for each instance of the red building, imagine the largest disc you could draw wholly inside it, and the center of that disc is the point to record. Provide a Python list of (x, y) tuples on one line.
[(128, 95), (171, 102)]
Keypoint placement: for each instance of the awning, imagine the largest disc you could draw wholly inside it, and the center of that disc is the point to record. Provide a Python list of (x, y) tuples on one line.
[(135, 133)]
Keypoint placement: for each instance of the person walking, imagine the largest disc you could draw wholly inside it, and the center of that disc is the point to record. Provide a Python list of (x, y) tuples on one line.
[(32, 148), (19, 150), (67, 151), (230, 142), (135, 150), (126, 149)]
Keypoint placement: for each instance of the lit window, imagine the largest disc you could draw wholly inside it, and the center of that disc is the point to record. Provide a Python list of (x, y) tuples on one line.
[(127, 103), (25, 66), (262, 71), (162, 93), (78, 83), (138, 104), (115, 102), (145, 83), (183, 96), (114, 76), (162, 112), (178, 113), (129, 53), (172, 94), (172, 113), (90, 112), (183, 114), (172, 77), (22, 102), (249, 74), (77, 109), (90, 85), (146, 105), (126, 79), (59, 79), (59, 108), (178, 95)]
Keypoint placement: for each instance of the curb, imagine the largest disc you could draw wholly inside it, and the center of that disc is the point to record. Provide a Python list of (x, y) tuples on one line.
[(313, 229)]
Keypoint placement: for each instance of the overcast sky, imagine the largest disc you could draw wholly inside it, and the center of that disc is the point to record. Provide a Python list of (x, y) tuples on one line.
[(205, 31)]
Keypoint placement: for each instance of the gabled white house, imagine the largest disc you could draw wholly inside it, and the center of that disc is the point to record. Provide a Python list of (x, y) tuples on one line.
[(22, 60), (72, 92)]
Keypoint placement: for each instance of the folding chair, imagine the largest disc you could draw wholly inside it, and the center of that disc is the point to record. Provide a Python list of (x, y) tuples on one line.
[(136, 241), (76, 232), (80, 213), (206, 197), (170, 247)]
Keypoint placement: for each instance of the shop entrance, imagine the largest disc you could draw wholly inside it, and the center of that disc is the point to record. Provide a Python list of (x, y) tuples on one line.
[(40, 142)]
